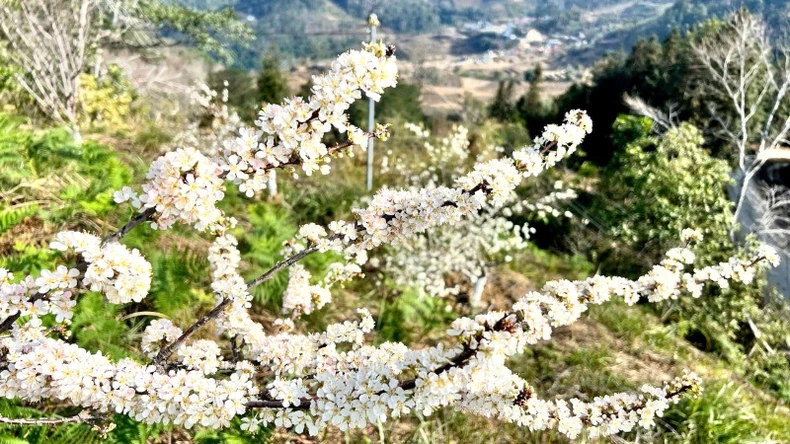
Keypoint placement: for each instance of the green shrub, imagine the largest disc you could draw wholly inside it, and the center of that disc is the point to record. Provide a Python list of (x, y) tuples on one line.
[(659, 186)]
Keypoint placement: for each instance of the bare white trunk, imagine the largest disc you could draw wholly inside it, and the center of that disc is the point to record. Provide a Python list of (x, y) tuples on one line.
[(744, 67), (476, 300), (49, 43)]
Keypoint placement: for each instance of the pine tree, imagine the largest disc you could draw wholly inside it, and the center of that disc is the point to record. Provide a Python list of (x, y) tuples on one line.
[(241, 88), (530, 107), (272, 84), (502, 107)]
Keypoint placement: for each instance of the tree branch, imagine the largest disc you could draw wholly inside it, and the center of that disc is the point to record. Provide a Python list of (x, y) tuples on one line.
[(129, 226), (169, 349), (84, 416)]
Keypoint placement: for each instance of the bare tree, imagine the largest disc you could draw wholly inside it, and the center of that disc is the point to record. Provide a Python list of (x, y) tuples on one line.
[(752, 77), (773, 205), (664, 120), (49, 42)]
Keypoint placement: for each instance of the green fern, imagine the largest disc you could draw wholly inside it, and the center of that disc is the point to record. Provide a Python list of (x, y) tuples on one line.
[(13, 215), (28, 259), (96, 327), (230, 435), (64, 433), (129, 431)]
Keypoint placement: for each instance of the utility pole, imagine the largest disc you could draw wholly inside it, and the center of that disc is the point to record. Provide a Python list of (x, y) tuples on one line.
[(373, 22)]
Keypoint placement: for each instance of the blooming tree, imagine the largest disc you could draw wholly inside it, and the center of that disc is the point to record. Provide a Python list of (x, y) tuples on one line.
[(461, 253), (309, 382)]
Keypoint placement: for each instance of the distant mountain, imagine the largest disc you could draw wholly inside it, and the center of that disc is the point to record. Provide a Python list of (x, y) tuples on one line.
[(296, 29), (322, 28), (683, 15)]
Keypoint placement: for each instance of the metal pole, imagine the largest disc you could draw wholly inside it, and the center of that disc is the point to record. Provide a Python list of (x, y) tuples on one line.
[(373, 22)]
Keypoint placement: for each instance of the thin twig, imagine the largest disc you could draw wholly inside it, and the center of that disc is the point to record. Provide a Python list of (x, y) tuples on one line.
[(84, 416), (135, 221), (280, 266), (168, 350)]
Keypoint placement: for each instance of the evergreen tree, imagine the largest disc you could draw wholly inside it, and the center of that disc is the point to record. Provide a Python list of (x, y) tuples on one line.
[(502, 108), (530, 107), (272, 84), (241, 91)]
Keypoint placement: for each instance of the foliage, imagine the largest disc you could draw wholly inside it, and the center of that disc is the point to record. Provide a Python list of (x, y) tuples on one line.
[(726, 413), (481, 43), (679, 186), (105, 102), (401, 102), (272, 86), (68, 185), (209, 30), (296, 29), (661, 185), (12, 96), (659, 73), (530, 108), (666, 75), (502, 107), (415, 16)]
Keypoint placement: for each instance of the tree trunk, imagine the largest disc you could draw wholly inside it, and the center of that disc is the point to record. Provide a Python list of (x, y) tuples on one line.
[(476, 300)]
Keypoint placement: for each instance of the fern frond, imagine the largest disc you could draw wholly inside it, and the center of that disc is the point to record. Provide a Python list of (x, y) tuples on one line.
[(13, 215)]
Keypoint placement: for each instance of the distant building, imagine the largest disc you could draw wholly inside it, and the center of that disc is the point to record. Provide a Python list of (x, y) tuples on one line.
[(534, 36)]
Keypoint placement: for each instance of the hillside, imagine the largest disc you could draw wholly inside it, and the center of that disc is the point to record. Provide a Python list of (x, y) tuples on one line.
[(320, 28), (317, 29), (683, 15)]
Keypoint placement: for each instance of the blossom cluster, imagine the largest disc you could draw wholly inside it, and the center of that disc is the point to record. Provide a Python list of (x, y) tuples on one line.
[(463, 251), (51, 293), (368, 384), (396, 215), (123, 275), (40, 367), (159, 333), (350, 387), (547, 206), (292, 133), (453, 258), (300, 296), (226, 281), (468, 222), (185, 185)]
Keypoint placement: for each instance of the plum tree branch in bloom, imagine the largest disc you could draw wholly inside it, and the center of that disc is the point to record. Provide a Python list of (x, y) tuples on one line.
[(309, 382), (129, 226), (486, 338), (83, 417), (168, 350), (462, 253), (116, 236)]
